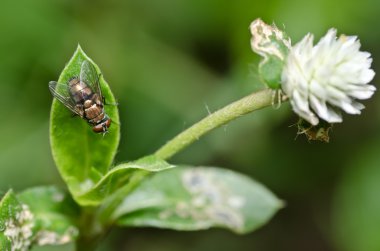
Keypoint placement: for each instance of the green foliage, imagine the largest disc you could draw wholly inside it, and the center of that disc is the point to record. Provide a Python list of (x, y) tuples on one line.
[(81, 155), (198, 198), (270, 72), (119, 176), (182, 199), (38, 216), (55, 215), (14, 231), (202, 60)]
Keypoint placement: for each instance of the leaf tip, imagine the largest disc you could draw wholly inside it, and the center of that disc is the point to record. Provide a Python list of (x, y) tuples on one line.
[(80, 51), (79, 48), (3, 195), (281, 204)]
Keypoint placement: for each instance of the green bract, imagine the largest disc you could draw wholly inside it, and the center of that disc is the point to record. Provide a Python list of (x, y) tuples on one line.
[(270, 71), (273, 45), (82, 156)]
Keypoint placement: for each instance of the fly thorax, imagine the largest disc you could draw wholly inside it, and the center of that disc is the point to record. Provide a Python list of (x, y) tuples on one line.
[(73, 82), (75, 85), (86, 93), (79, 91)]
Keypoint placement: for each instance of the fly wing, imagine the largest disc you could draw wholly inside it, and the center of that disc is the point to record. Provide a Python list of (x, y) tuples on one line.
[(61, 92), (90, 76)]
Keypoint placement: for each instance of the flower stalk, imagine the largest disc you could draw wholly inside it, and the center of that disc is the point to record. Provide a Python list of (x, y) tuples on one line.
[(250, 103)]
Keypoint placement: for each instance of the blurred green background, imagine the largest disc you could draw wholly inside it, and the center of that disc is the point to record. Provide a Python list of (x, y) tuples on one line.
[(169, 62)]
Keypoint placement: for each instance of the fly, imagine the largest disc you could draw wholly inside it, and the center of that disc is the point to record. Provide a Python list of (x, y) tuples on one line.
[(83, 96)]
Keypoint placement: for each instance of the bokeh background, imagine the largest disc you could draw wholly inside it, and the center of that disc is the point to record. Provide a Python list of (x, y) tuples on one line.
[(169, 63)]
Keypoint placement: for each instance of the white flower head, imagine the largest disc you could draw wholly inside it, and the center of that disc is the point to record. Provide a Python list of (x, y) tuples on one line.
[(331, 76)]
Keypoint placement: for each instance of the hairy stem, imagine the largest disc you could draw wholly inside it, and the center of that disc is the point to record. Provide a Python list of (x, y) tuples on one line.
[(250, 103), (91, 231), (230, 112)]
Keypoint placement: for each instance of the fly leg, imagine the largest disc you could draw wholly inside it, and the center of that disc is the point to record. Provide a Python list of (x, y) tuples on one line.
[(80, 110), (105, 103), (103, 98)]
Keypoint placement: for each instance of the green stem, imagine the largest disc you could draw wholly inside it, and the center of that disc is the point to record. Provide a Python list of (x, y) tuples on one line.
[(250, 103), (88, 244), (112, 202), (91, 231), (230, 112)]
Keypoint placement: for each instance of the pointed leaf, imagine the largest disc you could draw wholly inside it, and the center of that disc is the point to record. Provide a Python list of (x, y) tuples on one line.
[(81, 155), (198, 198)]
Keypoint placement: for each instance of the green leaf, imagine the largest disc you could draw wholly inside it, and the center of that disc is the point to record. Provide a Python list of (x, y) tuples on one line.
[(16, 224), (55, 215), (41, 216), (198, 198), (118, 177), (81, 155)]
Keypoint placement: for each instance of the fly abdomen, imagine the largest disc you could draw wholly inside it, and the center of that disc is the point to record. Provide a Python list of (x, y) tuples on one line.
[(92, 111), (98, 119)]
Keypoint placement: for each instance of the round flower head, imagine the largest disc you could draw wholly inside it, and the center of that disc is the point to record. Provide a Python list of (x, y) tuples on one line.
[(329, 77)]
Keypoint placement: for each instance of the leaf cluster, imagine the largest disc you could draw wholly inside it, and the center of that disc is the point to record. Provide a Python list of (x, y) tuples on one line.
[(145, 192)]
